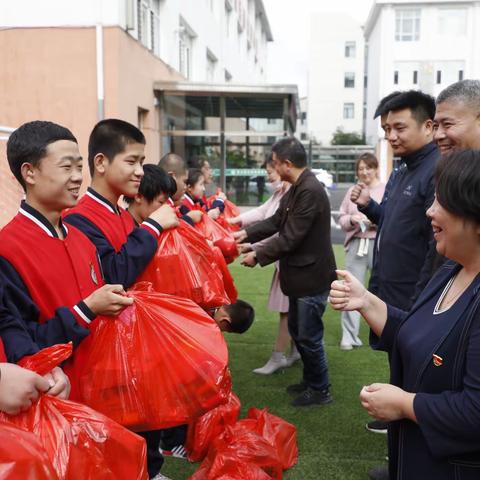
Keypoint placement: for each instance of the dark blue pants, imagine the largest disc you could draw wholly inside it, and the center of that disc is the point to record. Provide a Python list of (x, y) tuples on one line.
[(306, 329)]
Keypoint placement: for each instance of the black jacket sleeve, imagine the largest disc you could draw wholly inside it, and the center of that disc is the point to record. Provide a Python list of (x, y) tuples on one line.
[(121, 267), (21, 332)]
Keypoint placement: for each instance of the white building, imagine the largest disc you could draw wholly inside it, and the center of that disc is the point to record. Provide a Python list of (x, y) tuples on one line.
[(336, 76), (213, 41), (423, 45)]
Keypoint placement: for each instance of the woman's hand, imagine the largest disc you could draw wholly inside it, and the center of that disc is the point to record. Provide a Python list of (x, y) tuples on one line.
[(387, 402), (348, 293)]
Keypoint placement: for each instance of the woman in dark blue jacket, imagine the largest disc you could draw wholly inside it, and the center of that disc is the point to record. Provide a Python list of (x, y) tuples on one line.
[(433, 400)]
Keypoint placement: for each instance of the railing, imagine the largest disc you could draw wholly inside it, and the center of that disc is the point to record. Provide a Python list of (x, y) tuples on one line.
[(339, 160)]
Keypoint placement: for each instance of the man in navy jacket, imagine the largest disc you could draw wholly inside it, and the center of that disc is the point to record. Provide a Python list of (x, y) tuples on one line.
[(405, 249)]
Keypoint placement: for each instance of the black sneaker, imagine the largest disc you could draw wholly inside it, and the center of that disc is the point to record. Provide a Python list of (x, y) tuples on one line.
[(379, 473), (312, 397), (296, 388), (376, 426)]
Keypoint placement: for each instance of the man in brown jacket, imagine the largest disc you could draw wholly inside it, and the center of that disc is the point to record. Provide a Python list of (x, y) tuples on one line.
[(307, 263)]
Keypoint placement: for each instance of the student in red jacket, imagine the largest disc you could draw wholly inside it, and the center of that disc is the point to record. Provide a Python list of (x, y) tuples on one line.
[(50, 279), (116, 152), (193, 200)]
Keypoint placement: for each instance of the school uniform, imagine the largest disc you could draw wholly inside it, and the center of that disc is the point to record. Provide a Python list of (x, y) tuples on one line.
[(44, 281), (124, 250), (436, 354), (189, 203)]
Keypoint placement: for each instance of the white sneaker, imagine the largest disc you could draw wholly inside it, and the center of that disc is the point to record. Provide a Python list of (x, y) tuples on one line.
[(346, 346), (160, 476), (276, 362), (293, 357), (176, 452)]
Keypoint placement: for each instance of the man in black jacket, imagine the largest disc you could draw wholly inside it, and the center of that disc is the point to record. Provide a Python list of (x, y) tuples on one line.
[(307, 263), (405, 249)]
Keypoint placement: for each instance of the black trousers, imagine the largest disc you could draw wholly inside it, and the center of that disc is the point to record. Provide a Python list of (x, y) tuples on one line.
[(154, 457)]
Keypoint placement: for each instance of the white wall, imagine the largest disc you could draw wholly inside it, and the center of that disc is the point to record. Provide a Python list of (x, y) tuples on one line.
[(207, 19), (327, 68), (435, 50)]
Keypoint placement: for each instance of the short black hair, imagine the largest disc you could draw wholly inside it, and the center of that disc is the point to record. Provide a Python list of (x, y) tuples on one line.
[(194, 176), (289, 148), (241, 315), (420, 104), (29, 142), (381, 104), (155, 181), (110, 137), (457, 184), (171, 162)]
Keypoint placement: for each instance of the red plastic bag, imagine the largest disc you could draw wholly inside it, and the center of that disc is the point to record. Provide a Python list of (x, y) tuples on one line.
[(22, 456), (219, 236), (279, 433), (239, 445), (185, 266), (228, 282), (161, 363), (209, 426), (230, 211), (230, 468), (81, 443)]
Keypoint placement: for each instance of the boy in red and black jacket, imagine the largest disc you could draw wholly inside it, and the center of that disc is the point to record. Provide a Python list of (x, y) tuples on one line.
[(116, 152), (52, 284)]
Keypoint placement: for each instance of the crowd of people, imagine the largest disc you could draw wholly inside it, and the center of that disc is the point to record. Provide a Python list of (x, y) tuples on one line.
[(418, 235)]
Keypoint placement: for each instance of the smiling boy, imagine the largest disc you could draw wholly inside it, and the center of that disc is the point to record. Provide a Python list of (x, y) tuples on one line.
[(52, 286)]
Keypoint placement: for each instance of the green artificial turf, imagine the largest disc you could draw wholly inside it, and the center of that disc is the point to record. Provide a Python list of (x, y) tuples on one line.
[(332, 440)]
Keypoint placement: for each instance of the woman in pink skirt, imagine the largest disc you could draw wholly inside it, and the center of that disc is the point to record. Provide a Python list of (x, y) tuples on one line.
[(277, 301), (359, 239)]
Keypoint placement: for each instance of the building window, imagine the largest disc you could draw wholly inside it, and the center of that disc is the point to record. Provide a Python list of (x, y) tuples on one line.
[(349, 81), (141, 117), (395, 77), (407, 25), (348, 110), (415, 77), (185, 53), (350, 49), (460, 75), (452, 21), (211, 66), (148, 24), (439, 77)]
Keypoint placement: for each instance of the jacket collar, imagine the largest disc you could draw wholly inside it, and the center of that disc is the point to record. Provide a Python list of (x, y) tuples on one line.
[(413, 160), (306, 173), (101, 200), (41, 221)]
